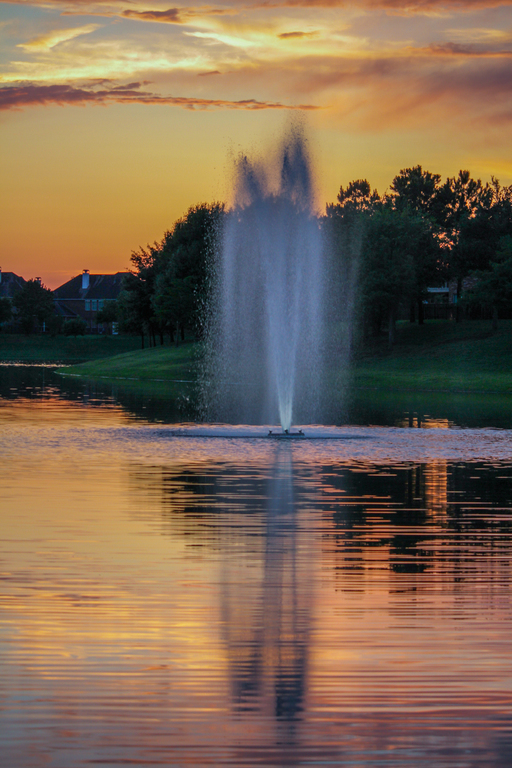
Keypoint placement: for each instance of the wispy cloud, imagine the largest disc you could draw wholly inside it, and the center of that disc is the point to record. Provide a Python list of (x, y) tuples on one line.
[(458, 49), (296, 35), (170, 16), (175, 15), (51, 39), (402, 7), (26, 95)]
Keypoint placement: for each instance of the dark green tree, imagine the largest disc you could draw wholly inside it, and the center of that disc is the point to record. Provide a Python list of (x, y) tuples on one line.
[(418, 190), (5, 310), (344, 226), (175, 302), (463, 198), (34, 304), (181, 261), (75, 326), (493, 287), (109, 314), (135, 311), (388, 275), (188, 252)]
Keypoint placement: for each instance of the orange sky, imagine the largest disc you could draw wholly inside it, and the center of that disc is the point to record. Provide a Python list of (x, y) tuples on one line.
[(116, 116)]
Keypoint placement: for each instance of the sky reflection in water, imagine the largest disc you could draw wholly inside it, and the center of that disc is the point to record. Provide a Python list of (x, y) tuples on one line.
[(193, 603)]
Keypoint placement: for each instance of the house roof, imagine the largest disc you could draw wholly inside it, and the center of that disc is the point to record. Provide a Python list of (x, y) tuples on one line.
[(10, 283), (100, 287)]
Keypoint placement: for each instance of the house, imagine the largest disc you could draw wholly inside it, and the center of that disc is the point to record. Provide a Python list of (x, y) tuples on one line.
[(10, 283), (84, 295)]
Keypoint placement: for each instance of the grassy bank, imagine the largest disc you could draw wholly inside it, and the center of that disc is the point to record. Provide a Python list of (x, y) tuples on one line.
[(158, 364), (39, 348), (439, 356)]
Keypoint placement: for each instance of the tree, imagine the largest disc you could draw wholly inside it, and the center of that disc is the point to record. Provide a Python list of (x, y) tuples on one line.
[(463, 198), (344, 227), (75, 326), (181, 261), (417, 190), (5, 310), (188, 252), (174, 301), (109, 314), (493, 287), (134, 307), (34, 304), (358, 196), (388, 274)]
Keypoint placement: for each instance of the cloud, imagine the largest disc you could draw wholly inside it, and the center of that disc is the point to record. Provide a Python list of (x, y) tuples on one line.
[(51, 39), (170, 16), (458, 49), (207, 74), (401, 7), (296, 35), (175, 15), (27, 95)]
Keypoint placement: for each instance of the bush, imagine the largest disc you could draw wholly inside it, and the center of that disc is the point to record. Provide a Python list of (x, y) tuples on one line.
[(74, 327)]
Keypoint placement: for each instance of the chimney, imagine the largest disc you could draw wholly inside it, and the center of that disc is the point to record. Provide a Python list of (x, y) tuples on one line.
[(85, 279)]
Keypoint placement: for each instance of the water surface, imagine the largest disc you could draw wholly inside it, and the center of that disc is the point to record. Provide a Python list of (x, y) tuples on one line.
[(197, 602)]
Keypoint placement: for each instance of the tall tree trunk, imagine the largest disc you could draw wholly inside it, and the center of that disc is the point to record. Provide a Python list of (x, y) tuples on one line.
[(177, 342), (142, 339), (421, 312), (183, 333), (392, 329), (161, 338), (412, 312)]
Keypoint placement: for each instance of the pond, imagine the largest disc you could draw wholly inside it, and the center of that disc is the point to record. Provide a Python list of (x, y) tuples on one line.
[(190, 601)]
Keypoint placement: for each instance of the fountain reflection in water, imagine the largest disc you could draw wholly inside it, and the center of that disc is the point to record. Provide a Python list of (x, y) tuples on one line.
[(267, 345)]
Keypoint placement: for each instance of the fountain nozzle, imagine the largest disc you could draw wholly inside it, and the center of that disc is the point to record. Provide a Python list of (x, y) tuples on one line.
[(286, 434)]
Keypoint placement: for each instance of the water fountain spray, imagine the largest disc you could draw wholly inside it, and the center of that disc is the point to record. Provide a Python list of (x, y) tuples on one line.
[(267, 333)]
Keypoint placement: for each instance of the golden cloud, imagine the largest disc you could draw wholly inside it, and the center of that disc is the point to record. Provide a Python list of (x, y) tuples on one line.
[(25, 95), (51, 39)]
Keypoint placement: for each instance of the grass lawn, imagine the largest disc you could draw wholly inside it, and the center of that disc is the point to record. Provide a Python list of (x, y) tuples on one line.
[(160, 364), (38, 348), (439, 356)]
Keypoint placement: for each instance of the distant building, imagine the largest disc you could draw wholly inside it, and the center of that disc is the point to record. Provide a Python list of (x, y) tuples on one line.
[(10, 283), (84, 295)]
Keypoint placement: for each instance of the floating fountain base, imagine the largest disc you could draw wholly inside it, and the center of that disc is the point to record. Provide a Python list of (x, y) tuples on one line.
[(286, 435)]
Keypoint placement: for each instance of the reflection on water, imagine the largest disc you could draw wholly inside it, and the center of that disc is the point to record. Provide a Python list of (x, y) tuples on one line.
[(168, 403), (236, 605)]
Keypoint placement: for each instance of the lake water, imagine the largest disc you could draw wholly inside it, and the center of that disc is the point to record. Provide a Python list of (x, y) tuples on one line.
[(175, 600)]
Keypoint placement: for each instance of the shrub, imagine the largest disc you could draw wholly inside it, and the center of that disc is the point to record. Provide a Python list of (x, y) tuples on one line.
[(74, 327)]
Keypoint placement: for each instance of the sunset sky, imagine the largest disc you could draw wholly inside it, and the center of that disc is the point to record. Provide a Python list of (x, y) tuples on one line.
[(117, 115)]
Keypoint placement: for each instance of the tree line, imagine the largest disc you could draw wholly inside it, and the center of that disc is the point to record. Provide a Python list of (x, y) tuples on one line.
[(424, 233), (420, 234)]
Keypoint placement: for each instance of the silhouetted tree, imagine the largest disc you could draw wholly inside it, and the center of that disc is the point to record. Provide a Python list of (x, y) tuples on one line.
[(34, 304), (493, 287), (188, 252), (75, 326), (5, 310), (388, 275)]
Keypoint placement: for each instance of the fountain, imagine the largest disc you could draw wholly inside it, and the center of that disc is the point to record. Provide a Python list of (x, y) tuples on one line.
[(267, 344)]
